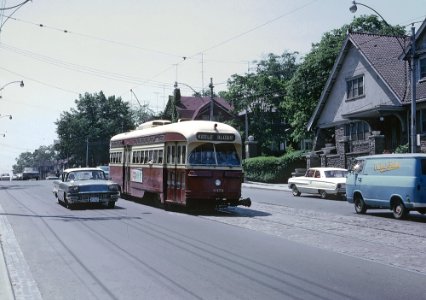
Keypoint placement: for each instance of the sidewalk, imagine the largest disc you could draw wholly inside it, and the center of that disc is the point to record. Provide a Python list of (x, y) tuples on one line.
[(6, 292)]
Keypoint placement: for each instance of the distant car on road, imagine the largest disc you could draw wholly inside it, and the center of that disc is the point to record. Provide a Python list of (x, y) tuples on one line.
[(30, 173), (322, 180), (106, 171), (5, 177), (85, 185)]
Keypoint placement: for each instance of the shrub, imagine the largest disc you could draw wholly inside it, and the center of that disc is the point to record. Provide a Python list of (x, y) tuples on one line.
[(273, 169), (402, 149)]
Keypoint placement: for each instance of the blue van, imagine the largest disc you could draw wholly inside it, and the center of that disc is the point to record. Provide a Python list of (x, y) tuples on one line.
[(393, 181)]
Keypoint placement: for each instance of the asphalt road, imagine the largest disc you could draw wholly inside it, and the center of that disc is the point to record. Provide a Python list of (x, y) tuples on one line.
[(268, 251)]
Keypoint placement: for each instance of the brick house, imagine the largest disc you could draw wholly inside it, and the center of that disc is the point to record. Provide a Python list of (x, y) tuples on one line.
[(365, 105), (197, 108)]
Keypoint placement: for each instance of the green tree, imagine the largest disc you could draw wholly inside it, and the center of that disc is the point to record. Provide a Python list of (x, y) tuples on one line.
[(259, 94), (41, 159), (304, 89), (142, 114), (90, 126)]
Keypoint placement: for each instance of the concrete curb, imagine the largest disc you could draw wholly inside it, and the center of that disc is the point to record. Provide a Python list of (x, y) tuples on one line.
[(6, 292), (266, 186)]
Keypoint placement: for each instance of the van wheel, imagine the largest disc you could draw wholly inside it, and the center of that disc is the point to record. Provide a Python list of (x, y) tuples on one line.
[(323, 194), (295, 191), (399, 210), (360, 206)]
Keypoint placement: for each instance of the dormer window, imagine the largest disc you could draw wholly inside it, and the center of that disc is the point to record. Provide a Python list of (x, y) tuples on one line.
[(355, 87)]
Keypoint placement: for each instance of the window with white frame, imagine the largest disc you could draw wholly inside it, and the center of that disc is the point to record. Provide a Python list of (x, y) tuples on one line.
[(422, 64), (357, 131), (355, 87)]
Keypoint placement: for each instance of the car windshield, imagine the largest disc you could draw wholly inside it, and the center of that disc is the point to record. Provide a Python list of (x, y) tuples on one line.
[(104, 168), (215, 154), (86, 175), (335, 173)]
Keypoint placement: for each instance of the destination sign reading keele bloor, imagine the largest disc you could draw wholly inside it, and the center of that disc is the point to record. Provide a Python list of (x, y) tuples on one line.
[(205, 136)]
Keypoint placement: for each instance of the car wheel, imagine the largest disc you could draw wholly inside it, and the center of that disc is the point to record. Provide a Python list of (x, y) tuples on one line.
[(295, 191), (360, 206), (67, 204), (399, 210), (323, 194), (111, 204)]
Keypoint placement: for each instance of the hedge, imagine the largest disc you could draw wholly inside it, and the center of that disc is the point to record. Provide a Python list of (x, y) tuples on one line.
[(270, 169)]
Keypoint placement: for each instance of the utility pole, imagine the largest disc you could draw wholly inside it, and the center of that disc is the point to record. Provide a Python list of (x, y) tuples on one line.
[(211, 98), (87, 152), (413, 90)]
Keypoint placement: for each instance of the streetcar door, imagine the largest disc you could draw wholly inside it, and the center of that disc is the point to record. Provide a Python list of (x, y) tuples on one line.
[(126, 168), (175, 186)]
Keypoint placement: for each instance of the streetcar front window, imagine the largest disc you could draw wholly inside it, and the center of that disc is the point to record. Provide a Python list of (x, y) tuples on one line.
[(227, 155), (219, 154)]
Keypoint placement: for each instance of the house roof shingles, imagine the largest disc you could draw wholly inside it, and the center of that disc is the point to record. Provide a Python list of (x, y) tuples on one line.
[(190, 106), (384, 53)]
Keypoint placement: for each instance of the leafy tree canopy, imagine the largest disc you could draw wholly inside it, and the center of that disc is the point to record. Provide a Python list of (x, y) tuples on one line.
[(259, 94), (90, 126), (43, 156)]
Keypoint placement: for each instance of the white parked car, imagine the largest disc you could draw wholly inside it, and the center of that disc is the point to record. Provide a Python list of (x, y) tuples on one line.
[(322, 181)]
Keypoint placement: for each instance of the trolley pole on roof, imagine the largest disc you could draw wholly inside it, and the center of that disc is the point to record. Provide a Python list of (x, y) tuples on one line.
[(211, 98)]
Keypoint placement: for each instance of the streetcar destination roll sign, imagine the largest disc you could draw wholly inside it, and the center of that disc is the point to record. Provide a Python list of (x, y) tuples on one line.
[(206, 136)]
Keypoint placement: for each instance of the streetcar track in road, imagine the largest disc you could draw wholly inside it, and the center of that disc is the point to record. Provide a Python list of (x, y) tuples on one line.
[(90, 273), (380, 230), (185, 246), (359, 224), (68, 250), (390, 247), (335, 221), (207, 248)]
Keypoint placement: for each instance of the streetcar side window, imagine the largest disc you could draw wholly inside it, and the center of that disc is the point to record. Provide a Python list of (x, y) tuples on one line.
[(115, 157), (155, 157), (179, 154), (160, 156), (173, 154), (183, 154), (169, 154)]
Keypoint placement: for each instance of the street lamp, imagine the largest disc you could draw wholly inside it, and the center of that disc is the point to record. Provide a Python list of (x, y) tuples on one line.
[(3, 116), (21, 84), (412, 70)]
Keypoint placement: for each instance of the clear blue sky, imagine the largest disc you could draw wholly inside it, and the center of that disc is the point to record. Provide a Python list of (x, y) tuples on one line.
[(115, 46)]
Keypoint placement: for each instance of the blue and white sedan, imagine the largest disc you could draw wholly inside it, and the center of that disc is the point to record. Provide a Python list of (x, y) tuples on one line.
[(85, 185), (323, 181)]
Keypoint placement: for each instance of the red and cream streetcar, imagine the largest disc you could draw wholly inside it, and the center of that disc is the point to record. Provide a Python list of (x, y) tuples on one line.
[(190, 163)]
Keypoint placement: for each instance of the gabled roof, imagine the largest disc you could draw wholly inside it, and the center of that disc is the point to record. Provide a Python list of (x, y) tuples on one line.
[(382, 53), (189, 107)]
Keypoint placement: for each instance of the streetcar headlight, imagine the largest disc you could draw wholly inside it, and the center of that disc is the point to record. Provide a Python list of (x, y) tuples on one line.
[(217, 182)]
